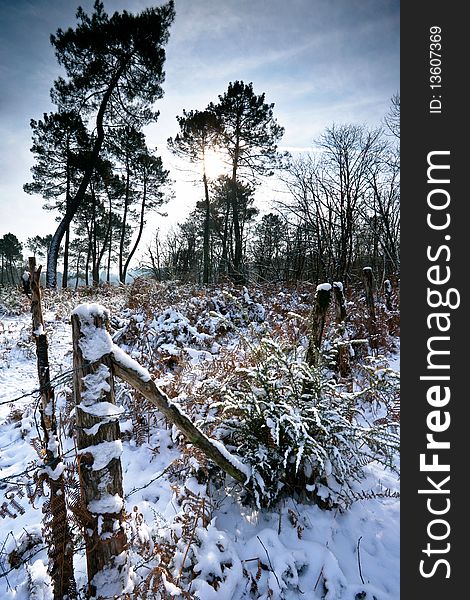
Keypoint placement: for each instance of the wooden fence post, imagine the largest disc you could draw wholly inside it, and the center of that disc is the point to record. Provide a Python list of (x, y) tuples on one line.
[(388, 294), (317, 323), (99, 449), (340, 310), (58, 535)]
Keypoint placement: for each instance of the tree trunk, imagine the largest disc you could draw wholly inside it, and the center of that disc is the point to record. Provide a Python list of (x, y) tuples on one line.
[(237, 273), (58, 535), (369, 291), (224, 256), (207, 234), (65, 275), (99, 449), (141, 229), (122, 277), (388, 294), (53, 254), (95, 271), (77, 270), (340, 302)]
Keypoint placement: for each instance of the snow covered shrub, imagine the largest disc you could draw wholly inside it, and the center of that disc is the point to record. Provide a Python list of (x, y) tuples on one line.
[(379, 385), (13, 302), (298, 433), (188, 557)]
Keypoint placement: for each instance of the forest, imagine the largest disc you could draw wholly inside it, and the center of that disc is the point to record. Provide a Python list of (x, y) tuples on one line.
[(209, 410)]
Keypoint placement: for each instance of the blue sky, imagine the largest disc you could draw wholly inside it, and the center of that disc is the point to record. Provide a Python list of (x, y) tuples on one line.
[(319, 61)]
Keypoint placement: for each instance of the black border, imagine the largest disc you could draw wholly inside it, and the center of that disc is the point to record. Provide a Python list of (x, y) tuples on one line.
[(422, 132)]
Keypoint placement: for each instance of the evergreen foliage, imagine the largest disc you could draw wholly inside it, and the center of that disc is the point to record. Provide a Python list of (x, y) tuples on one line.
[(301, 436)]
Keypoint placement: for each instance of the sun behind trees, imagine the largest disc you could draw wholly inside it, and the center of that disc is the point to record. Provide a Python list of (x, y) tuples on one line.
[(242, 128)]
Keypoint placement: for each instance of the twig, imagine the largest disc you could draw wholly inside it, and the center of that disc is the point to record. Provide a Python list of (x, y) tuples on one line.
[(359, 558), (269, 560), (5, 573), (133, 491), (190, 541), (318, 579)]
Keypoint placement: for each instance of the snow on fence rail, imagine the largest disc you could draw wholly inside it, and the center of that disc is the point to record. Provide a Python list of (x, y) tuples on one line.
[(97, 343)]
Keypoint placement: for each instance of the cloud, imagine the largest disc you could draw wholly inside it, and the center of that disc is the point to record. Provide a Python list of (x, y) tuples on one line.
[(318, 62)]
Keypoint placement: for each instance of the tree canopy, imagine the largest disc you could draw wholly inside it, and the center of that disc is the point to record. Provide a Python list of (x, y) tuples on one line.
[(114, 74)]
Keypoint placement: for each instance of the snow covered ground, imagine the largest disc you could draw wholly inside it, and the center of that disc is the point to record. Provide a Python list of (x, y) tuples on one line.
[(214, 545)]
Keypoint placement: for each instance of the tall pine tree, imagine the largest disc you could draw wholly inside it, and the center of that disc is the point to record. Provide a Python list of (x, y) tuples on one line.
[(114, 70)]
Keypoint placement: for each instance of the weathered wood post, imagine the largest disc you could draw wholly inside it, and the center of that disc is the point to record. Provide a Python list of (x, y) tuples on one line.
[(341, 314), (317, 323), (99, 448), (58, 536), (369, 296), (340, 302), (388, 294)]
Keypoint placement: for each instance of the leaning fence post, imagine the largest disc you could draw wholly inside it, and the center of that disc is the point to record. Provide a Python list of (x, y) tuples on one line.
[(317, 323), (57, 530), (99, 448)]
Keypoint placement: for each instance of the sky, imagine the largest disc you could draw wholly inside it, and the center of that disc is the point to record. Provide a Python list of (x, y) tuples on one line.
[(320, 62)]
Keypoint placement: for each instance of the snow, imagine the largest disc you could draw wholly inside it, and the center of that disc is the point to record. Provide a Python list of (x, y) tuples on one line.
[(95, 343), (245, 469), (129, 363), (304, 552), (40, 581), (103, 453), (101, 409), (55, 473), (171, 588), (95, 385), (86, 312), (107, 504), (114, 580)]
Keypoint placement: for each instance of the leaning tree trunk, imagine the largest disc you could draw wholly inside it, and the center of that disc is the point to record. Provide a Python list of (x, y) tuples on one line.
[(54, 247), (99, 449), (58, 535)]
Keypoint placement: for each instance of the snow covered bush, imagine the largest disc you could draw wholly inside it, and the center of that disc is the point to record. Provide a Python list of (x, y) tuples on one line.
[(299, 434)]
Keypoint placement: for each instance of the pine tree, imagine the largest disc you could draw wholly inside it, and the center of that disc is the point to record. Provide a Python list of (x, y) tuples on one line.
[(60, 142), (114, 69), (10, 256), (199, 132), (144, 181), (249, 136)]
